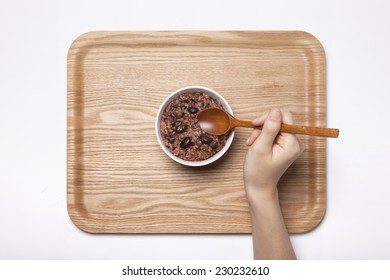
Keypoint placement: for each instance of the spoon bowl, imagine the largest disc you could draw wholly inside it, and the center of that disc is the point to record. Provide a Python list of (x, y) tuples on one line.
[(215, 121), (218, 122)]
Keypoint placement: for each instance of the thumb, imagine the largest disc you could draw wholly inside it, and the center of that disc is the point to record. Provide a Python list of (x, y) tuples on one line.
[(271, 128)]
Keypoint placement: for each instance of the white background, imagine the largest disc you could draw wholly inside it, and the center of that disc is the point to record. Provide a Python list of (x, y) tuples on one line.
[(35, 36)]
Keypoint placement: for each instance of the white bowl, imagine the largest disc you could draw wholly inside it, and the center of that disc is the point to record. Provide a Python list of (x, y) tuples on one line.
[(172, 96)]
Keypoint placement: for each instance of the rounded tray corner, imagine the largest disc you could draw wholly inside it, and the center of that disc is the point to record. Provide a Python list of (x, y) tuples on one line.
[(79, 221), (319, 221), (83, 40), (312, 40), (312, 224)]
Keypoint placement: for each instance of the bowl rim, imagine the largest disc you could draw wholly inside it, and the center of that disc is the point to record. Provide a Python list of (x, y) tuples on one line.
[(165, 103)]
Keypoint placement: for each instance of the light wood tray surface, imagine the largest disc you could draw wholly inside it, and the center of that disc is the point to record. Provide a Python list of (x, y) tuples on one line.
[(119, 179)]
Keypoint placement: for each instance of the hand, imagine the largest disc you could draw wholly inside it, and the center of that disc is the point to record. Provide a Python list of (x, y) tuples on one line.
[(269, 156)]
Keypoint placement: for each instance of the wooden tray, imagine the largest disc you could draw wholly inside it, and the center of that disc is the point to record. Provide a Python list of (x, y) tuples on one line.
[(119, 179)]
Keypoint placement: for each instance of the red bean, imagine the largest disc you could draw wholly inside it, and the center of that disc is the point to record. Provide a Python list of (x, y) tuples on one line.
[(185, 143), (181, 128), (205, 139)]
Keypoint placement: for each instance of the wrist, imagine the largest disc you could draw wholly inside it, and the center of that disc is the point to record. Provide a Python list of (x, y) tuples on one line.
[(260, 195)]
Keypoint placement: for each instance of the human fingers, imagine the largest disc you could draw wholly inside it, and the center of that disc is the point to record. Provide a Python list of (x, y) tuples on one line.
[(256, 132), (287, 117), (270, 129), (260, 120), (301, 146)]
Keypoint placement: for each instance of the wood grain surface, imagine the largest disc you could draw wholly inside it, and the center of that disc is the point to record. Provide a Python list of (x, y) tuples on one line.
[(119, 179)]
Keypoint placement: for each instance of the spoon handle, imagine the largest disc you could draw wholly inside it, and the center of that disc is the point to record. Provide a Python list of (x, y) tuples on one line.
[(310, 130), (298, 129)]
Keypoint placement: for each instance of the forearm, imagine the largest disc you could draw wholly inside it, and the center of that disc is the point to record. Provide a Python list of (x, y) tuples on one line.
[(270, 236)]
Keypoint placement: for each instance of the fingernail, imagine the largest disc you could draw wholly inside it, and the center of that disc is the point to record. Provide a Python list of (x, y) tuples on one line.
[(247, 141), (274, 115)]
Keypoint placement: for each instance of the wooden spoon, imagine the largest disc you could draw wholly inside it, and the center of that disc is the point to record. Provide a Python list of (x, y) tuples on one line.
[(218, 122)]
